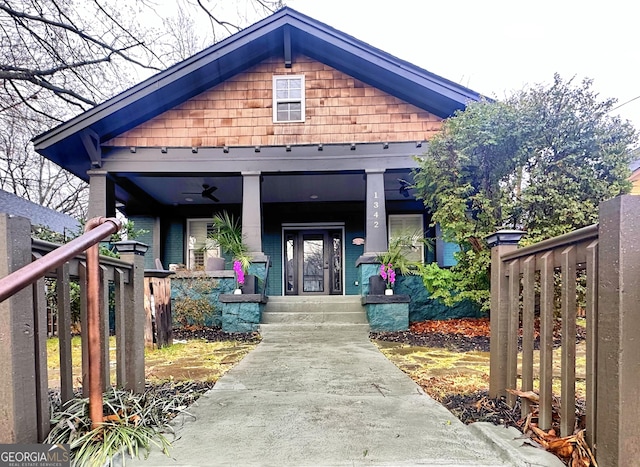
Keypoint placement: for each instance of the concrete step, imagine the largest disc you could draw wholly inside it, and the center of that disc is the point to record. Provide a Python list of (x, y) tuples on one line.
[(339, 309)]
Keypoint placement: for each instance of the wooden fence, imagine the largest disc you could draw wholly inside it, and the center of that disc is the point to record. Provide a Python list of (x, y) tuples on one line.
[(524, 283), (23, 330)]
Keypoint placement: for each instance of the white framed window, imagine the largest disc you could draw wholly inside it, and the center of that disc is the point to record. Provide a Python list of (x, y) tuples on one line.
[(408, 225), (288, 98), (199, 247)]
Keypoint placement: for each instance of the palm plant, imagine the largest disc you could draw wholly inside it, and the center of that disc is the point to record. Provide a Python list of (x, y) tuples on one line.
[(227, 233), (398, 254)]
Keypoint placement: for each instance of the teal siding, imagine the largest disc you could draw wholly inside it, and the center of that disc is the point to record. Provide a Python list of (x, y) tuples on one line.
[(173, 247), (352, 253), (448, 254), (272, 247), (146, 223)]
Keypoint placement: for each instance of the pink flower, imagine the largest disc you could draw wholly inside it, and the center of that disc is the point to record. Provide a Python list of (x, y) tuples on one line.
[(388, 274), (237, 267)]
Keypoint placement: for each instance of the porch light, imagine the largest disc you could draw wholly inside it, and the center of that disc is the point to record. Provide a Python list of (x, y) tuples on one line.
[(287, 148), (194, 150), (320, 147), (163, 149), (313, 196), (257, 148), (504, 237), (418, 144), (131, 247), (385, 146), (225, 149), (133, 149), (353, 146), (359, 241), (188, 199)]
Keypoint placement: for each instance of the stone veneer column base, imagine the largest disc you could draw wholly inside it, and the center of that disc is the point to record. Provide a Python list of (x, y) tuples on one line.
[(242, 313), (387, 312)]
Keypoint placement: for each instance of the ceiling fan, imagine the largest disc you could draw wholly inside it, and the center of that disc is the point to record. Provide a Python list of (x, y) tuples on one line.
[(207, 192)]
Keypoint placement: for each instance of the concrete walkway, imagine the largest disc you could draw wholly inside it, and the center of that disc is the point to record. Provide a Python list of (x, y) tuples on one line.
[(324, 395)]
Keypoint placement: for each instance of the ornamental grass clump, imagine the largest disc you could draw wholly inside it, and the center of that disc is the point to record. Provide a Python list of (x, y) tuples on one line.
[(133, 424)]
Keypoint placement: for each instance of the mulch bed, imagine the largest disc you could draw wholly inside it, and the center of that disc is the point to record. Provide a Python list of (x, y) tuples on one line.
[(463, 335), (212, 334)]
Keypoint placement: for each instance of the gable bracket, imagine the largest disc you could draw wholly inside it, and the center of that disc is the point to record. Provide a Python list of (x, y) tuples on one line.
[(287, 46), (91, 142)]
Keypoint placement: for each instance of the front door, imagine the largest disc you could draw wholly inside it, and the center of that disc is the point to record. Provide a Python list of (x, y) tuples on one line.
[(313, 262)]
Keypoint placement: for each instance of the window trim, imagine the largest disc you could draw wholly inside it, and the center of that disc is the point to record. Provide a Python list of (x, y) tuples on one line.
[(277, 101)]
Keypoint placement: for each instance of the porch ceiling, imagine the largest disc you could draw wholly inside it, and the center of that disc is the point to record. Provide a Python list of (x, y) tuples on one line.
[(276, 188)]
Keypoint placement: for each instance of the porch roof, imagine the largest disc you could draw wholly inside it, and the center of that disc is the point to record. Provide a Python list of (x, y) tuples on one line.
[(75, 144)]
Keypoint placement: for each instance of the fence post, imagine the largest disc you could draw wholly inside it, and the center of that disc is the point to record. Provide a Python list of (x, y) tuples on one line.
[(18, 410), (618, 371), (133, 252), (501, 242)]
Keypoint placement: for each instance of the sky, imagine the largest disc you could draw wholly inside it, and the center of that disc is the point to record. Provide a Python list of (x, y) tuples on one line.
[(496, 47)]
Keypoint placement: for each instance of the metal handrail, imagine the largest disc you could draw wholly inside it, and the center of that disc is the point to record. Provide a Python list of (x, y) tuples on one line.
[(30, 273)]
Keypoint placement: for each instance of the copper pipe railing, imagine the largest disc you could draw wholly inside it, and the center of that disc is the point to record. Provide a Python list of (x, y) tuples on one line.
[(30, 273), (96, 230)]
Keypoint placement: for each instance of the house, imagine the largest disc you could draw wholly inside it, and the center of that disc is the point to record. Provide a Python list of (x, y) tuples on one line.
[(306, 133), (37, 214)]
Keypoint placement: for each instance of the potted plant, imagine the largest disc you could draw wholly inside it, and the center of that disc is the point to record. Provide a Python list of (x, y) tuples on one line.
[(227, 233), (240, 276), (393, 262), (388, 275)]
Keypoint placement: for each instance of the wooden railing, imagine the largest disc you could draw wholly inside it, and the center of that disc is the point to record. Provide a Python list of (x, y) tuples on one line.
[(524, 283), (24, 387)]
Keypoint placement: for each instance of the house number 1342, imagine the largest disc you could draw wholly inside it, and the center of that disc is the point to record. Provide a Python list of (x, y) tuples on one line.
[(376, 214)]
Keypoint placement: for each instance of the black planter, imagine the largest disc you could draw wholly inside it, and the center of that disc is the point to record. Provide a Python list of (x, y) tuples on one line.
[(376, 285), (250, 284)]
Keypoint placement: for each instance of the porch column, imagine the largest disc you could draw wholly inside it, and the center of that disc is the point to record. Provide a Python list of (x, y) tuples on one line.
[(101, 195), (618, 327), (251, 211), (376, 212)]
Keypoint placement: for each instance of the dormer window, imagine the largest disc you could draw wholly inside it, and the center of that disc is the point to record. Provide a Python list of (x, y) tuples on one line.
[(288, 98)]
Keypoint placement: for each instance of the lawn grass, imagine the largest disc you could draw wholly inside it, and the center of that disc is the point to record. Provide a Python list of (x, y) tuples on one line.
[(438, 371), (192, 360), (441, 372)]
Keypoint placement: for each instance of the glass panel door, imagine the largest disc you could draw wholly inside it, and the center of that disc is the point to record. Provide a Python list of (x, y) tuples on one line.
[(313, 263)]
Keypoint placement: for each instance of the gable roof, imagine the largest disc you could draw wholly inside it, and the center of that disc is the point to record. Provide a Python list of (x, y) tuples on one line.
[(286, 32), (37, 214)]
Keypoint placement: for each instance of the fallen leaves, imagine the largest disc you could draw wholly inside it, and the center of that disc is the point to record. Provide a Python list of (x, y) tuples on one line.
[(573, 449), (469, 327)]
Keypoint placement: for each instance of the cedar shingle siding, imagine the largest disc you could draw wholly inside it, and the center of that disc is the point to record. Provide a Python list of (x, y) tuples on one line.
[(238, 112)]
